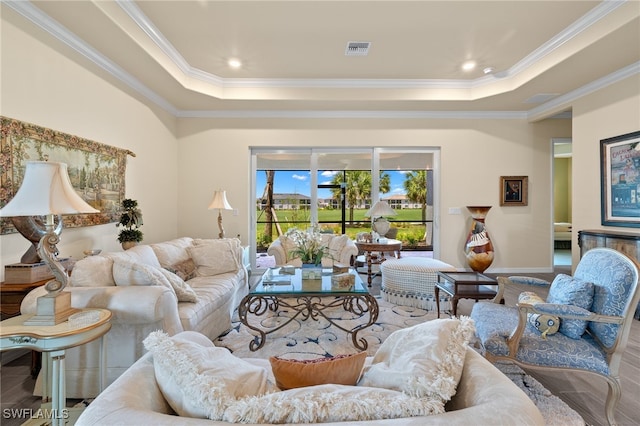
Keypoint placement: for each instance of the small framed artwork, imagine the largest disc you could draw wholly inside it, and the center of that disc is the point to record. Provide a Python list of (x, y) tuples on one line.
[(620, 180), (514, 190)]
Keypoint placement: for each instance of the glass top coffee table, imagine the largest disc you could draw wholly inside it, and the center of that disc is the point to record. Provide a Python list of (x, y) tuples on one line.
[(307, 299), (469, 285)]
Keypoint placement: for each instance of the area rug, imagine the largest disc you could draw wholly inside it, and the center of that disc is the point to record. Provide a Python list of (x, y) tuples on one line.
[(314, 339)]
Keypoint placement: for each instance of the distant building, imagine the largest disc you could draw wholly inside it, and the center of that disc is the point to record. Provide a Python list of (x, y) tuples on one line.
[(294, 201), (401, 201), (288, 201)]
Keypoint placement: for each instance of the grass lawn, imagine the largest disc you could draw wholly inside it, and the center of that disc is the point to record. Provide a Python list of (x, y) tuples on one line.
[(409, 232)]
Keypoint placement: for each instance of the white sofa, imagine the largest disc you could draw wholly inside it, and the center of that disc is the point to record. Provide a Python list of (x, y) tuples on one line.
[(483, 396), (341, 250), (142, 289)]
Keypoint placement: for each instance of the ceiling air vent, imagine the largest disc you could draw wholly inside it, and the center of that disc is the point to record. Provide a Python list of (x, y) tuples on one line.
[(357, 48)]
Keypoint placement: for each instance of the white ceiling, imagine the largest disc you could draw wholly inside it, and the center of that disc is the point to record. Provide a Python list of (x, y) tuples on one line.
[(174, 53)]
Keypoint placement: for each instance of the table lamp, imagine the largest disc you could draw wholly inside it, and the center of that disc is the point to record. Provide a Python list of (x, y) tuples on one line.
[(220, 202), (46, 190), (377, 212)]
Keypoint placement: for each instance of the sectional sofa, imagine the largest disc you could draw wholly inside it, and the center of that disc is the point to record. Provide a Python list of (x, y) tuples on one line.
[(182, 284)]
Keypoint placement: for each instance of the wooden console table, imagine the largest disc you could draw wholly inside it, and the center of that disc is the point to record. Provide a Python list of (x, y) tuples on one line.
[(624, 242), (11, 296)]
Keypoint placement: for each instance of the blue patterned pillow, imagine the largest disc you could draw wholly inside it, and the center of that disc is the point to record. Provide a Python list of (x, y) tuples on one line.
[(567, 290)]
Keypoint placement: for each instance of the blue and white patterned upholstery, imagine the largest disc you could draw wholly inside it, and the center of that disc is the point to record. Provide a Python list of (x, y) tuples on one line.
[(566, 290), (505, 333)]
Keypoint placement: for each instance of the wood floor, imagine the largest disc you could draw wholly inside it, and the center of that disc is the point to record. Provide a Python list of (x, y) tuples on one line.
[(583, 392)]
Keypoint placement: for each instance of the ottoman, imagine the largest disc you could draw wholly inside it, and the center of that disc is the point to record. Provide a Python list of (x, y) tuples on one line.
[(410, 281)]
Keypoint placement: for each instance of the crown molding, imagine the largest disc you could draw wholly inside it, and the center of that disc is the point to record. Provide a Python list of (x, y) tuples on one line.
[(45, 22), (593, 16), (565, 101), (55, 29), (334, 114)]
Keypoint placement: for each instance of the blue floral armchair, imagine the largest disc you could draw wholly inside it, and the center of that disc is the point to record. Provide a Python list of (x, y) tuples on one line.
[(583, 325)]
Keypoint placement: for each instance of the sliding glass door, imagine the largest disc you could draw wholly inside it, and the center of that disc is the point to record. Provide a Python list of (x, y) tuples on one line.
[(334, 187)]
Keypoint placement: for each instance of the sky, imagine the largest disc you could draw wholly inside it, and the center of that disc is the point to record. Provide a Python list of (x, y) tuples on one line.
[(289, 182)]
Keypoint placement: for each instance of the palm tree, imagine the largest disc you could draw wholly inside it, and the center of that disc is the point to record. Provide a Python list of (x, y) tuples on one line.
[(358, 187), (267, 198), (415, 184)]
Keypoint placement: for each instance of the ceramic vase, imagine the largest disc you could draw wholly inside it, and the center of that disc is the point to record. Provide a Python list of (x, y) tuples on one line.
[(478, 248), (128, 244)]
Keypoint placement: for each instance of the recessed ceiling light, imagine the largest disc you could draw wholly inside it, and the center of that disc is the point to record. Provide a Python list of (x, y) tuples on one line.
[(234, 63), (488, 70), (468, 66)]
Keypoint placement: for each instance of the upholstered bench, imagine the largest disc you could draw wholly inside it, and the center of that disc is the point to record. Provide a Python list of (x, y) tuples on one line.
[(410, 281)]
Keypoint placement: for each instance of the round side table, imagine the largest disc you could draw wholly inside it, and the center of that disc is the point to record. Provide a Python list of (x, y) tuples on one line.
[(52, 341)]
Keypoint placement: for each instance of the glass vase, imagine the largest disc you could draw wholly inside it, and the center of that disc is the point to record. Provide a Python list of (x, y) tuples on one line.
[(311, 272), (478, 248)]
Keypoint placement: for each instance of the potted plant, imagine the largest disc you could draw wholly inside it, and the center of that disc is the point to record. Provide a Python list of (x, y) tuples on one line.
[(130, 220)]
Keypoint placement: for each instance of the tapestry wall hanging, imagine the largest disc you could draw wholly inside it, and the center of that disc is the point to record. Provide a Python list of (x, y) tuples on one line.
[(97, 171)]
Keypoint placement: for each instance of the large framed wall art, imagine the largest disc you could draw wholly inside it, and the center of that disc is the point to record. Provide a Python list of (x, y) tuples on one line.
[(620, 176), (97, 171)]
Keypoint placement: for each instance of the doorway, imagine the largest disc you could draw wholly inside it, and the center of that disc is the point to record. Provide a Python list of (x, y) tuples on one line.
[(563, 235)]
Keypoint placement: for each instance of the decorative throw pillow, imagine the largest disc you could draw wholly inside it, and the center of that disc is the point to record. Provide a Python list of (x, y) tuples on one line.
[(183, 291), (93, 271), (127, 272), (140, 254), (336, 244), (172, 252), (425, 360), (331, 404), (544, 323), (215, 257), (341, 370), (202, 381), (185, 269), (288, 245), (567, 290)]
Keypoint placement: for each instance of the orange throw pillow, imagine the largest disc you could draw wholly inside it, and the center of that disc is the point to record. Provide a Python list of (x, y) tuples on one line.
[(339, 370)]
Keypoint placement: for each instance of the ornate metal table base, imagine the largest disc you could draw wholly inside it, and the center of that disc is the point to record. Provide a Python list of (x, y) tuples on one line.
[(309, 307)]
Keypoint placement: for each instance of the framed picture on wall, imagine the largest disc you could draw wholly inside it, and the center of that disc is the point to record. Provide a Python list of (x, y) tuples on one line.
[(620, 177), (514, 190)]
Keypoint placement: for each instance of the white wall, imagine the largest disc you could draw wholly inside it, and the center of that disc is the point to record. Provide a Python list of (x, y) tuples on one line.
[(43, 87), (474, 154), (607, 113)]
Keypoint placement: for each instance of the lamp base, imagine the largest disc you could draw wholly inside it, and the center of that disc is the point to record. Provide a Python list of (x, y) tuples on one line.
[(52, 310)]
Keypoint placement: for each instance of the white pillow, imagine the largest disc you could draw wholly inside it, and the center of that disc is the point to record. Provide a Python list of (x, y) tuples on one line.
[(202, 381), (184, 292), (127, 273), (92, 271), (171, 252), (215, 257), (141, 254), (336, 244), (423, 360), (199, 380), (330, 403)]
